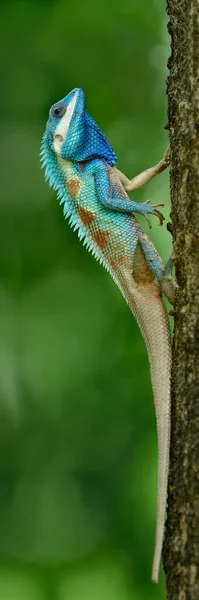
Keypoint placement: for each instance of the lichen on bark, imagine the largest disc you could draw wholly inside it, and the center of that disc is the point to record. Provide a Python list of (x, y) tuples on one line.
[(181, 546)]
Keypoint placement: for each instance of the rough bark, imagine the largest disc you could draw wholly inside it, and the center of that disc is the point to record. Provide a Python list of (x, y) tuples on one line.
[(181, 547)]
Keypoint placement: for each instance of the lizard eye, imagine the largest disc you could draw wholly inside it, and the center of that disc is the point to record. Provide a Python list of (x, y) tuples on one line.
[(58, 110)]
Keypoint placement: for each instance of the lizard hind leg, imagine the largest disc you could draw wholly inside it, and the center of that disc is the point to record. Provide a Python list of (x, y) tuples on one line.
[(167, 284), (169, 288)]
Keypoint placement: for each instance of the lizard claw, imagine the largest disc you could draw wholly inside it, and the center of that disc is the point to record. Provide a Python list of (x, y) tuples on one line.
[(155, 212), (160, 216), (148, 220)]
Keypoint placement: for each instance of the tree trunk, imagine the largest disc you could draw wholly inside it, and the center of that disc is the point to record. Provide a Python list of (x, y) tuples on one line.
[(181, 547)]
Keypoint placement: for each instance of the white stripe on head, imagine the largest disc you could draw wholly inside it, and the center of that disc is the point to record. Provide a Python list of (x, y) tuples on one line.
[(63, 126)]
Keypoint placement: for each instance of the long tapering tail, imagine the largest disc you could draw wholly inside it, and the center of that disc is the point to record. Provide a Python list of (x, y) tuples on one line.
[(149, 310)]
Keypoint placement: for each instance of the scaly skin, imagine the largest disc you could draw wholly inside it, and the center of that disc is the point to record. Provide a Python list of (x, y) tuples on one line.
[(80, 165)]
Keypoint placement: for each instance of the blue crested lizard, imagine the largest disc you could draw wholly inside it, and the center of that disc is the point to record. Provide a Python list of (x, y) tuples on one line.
[(80, 165)]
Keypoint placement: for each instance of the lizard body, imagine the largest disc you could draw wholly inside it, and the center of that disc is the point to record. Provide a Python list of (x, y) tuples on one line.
[(80, 165)]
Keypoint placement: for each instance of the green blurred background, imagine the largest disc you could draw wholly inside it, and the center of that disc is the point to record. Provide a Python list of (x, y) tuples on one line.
[(78, 450)]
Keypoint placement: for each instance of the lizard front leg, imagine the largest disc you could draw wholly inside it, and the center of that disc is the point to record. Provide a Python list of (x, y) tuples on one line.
[(131, 185), (103, 189)]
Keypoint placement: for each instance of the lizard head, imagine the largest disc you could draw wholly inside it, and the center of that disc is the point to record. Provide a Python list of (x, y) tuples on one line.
[(72, 134), (65, 126)]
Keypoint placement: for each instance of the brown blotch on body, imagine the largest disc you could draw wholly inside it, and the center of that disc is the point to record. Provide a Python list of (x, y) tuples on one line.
[(113, 264), (141, 271), (101, 238), (74, 186), (120, 259), (86, 216), (117, 262)]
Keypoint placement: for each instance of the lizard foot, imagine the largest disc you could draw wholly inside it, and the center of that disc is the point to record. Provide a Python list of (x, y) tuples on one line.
[(153, 211)]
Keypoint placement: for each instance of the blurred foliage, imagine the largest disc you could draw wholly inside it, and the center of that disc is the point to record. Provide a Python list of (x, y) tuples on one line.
[(78, 452)]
